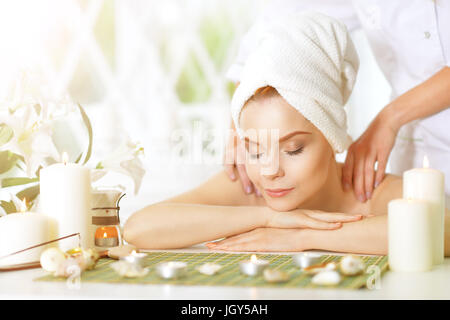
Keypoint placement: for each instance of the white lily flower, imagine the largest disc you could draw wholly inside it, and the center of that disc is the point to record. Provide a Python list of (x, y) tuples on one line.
[(125, 160), (32, 138), (25, 90), (2, 212)]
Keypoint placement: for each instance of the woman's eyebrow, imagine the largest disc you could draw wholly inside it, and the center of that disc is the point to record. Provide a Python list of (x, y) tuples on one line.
[(289, 135)]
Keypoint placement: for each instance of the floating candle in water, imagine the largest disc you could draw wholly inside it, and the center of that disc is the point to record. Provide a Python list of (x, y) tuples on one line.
[(254, 266)]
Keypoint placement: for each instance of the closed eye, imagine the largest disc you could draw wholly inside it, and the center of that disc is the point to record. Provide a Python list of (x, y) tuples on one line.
[(295, 152)]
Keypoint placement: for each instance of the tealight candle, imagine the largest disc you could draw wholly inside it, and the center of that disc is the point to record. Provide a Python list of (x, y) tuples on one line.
[(106, 237), (135, 258), (306, 259), (171, 269), (254, 266)]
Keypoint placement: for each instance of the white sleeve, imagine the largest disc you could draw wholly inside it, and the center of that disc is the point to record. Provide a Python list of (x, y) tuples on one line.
[(339, 9)]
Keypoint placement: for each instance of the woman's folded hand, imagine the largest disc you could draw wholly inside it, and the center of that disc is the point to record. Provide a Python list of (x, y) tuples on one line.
[(311, 219)]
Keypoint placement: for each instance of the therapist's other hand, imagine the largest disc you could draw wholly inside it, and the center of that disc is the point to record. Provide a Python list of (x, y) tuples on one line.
[(234, 162), (374, 146)]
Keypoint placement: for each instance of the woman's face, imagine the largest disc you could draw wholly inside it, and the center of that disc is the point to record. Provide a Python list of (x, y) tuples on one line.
[(288, 168)]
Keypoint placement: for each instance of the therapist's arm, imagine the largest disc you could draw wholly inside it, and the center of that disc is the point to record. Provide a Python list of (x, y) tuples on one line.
[(376, 143), (428, 98)]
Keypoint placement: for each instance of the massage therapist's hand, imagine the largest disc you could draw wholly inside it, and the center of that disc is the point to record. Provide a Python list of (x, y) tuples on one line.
[(311, 219), (234, 161), (374, 145)]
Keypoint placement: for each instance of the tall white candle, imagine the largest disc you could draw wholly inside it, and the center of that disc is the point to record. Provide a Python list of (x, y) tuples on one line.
[(19, 231), (410, 237), (428, 184), (66, 196)]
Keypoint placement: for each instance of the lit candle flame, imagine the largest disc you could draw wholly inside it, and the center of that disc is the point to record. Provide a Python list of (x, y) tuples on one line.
[(65, 158), (23, 206), (253, 258), (105, 235), (426, 162)]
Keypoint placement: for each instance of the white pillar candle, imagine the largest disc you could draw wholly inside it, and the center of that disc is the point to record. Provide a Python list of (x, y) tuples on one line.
[(19, 231), (428, 184), (410, 237), (66, 196)]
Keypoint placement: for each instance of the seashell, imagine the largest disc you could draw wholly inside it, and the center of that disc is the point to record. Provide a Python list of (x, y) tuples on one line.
[(70, 266), (121, 251), (327, 278), (351, 265), (273, 275), (321, 267), (128, 270), (51, 258), (90, 258), (87, 258), (209, 268)]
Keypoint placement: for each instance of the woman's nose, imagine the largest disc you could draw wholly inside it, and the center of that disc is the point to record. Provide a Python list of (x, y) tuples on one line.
[(272, 169)]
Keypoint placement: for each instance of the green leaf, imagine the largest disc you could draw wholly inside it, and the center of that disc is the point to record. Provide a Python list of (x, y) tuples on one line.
[(29, 193), (18, 165), (6, 134), (38, 172), (9, 182), (7, 160), (88, 125), (79, 158), (8, 206)]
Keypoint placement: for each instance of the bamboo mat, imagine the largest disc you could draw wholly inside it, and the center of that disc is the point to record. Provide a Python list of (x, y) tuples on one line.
[(230, 274)]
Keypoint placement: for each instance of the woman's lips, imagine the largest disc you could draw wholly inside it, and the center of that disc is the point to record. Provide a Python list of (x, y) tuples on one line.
[(276, 193)]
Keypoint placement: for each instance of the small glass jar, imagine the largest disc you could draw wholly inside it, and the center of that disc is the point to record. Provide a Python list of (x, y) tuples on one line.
[(105, 220)]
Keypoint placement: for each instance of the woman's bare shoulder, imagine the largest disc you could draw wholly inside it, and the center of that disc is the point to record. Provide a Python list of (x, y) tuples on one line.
[(219, 190), (390, 188)]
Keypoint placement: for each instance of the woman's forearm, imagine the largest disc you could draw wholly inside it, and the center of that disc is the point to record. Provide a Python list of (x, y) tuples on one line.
[(177, 225), (426, 99), (367, 236)]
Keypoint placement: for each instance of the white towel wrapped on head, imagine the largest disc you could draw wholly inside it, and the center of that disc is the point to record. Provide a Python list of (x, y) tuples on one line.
[(310, 60)]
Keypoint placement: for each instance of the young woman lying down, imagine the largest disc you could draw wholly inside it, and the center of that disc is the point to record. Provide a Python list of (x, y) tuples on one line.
[(288, 111)]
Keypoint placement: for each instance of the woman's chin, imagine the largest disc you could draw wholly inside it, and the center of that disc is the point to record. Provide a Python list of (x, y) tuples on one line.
[(281, 205)]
